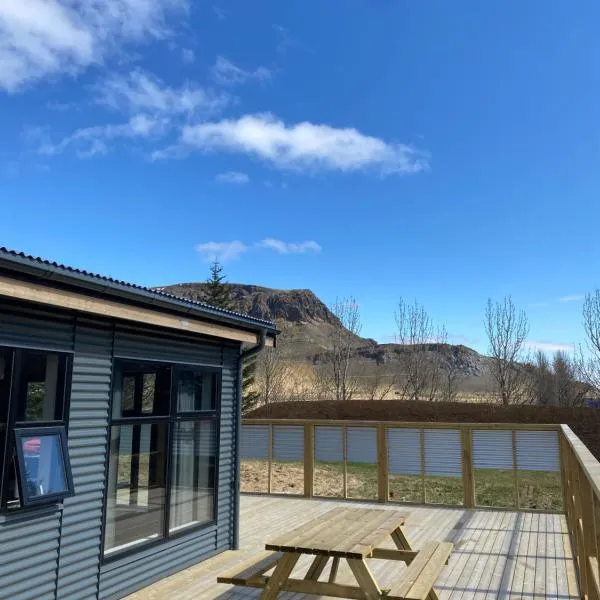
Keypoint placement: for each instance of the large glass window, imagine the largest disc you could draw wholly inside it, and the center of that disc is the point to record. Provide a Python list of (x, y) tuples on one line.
[(162, 464), (34, 463)]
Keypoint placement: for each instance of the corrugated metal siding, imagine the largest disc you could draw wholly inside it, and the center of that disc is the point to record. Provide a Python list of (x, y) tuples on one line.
[(404, 451), (79, 559), (124, 576), (31, 328), (443, 456), (29, 543), (492, 449), (537, 451), (29, 556), (361, 445), (288, 442), (133, 343), (329, 444), (254, 442)]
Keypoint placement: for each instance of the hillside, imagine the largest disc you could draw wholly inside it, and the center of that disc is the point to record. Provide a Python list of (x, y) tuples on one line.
[(307, 324)]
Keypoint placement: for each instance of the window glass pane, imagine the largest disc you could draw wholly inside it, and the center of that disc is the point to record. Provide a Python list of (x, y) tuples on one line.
[(141, 389), (41, 386), (196, 391), (193, 474), (136, 486), (44, 465), (5, 377)]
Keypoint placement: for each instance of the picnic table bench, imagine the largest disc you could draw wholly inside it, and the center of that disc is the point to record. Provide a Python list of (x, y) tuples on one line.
[(353, 535)]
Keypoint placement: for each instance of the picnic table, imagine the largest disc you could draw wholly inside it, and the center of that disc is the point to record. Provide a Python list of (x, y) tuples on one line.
[(353, 535)]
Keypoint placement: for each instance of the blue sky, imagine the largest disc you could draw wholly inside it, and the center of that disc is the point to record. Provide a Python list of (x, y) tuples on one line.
[(446, 152)]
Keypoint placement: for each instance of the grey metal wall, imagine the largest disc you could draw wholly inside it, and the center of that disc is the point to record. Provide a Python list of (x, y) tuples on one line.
[(29, 543), (49, 554)]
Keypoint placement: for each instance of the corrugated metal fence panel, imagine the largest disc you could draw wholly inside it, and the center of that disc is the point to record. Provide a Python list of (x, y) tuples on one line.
[(255, 442), (227, 448), (29, 556), (88, 429), (288, 442), (361, 445), (443, 456), (492, 450), (538, 451), (130, 343), (30, 328), (404, 451), (329, 444)]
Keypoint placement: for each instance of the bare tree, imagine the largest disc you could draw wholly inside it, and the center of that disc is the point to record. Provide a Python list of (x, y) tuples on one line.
[(340, 357), (570, 386), (506, 329), (590, 361), (452, 376), (420, 360), (377, 382), (272, 376)]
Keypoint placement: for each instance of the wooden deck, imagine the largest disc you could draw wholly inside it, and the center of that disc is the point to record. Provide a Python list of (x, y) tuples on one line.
[(504, 555)]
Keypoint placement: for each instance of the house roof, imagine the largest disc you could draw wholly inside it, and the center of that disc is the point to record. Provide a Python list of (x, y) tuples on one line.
[(59, 273)]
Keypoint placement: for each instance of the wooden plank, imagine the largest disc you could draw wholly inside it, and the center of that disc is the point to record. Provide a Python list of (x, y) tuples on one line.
[(467, 465), (410, 424), (390, 554), (595, 578), (345, 459), (309, 459), (423, 462), (365, 579), (382, 463), (377, 530), (420, 576), (282, 571), (34, 292), (269, 457), (317, 567), (335, 563), (315, 588), (250, 568), (515, 468)]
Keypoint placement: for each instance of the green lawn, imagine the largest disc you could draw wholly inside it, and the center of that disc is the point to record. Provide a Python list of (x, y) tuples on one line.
[(493, 487)]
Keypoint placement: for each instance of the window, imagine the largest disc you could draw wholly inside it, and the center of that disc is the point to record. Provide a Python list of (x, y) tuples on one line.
[(34, 462), (162, 464)]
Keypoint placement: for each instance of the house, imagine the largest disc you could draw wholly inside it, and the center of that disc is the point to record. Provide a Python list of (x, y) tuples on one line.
[(119, 430)]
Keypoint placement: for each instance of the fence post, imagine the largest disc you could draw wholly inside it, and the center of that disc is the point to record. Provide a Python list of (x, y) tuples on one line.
[(309, 458), (589, 532), (382, 463), (467, 464), (579, 532), (270, 456)]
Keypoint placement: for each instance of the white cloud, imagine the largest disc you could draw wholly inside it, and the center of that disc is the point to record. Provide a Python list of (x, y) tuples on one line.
[(227, 251), (225, 72), (188, 56), (232, 177), (140, 90), (44, 38), (221, 251), (93, 141), (304, 145), (572, 298), (549, 346), (289, 248)]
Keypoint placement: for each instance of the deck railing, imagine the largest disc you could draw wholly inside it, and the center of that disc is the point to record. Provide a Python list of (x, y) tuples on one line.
[(581, 477), (514, 466)]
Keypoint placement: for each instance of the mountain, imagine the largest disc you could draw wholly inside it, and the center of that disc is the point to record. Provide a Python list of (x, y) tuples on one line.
[(307, 325)]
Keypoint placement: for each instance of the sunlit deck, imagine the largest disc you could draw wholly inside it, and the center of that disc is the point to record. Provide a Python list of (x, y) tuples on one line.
[(497, 554)]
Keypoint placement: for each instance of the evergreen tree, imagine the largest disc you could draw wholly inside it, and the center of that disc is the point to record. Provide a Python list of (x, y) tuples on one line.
[(217, 290), (218, 294)]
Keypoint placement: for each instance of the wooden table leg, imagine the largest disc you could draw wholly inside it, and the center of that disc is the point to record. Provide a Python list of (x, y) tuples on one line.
[(284, 568), (365, 578), (334, 569), (317, 567), (402, 543)]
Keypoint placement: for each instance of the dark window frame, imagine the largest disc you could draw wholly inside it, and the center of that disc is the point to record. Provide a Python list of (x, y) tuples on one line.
[(60, 431), (9, 452), (171, 418)]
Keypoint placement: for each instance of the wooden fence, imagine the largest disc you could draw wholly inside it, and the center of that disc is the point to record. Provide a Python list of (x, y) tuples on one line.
[(515, 466), (581, 476)]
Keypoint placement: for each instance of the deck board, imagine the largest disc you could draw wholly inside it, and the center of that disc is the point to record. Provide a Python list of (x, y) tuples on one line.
[(497, 554)]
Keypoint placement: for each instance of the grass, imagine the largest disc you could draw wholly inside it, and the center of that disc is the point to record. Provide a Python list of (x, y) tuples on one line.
[(493, 487)]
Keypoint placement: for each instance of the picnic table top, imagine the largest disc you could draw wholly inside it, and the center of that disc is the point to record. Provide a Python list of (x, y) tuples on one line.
[(341, 532)]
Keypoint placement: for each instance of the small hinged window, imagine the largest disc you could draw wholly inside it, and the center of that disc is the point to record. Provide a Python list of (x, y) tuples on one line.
[(43, 468)]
